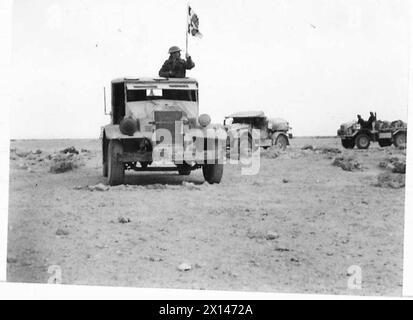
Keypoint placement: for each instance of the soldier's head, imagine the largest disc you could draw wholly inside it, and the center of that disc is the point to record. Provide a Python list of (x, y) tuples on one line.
[(174, 52)]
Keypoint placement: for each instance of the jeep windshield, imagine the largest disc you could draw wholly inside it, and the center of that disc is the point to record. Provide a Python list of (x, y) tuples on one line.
[(254, 121)]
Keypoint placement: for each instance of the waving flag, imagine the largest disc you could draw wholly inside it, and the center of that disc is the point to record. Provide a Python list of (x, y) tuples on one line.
[(193, 23)]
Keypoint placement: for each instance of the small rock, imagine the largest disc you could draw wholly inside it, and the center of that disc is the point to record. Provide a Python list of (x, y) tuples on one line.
[(61, 232), (285, 180), (271, 235), (11, 260), (70, 150), (78, 187), (23, 166), (307, 147), (98, 187), (184, 267), (22, 154), (190, 185), (123, 220)]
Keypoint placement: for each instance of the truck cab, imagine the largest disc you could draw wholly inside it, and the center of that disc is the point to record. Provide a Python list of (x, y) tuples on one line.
[(156, 120)]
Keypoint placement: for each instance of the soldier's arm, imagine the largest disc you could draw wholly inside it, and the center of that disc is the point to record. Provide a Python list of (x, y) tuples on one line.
[(189, 64)]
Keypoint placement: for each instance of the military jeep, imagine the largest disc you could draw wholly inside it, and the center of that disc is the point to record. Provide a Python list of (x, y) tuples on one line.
[(384, 132), (271, 131), (156, 126)]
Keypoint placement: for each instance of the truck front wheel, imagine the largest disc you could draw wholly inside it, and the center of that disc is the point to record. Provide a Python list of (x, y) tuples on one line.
[(213, 172), (116, 170), (362, 141), (104, 157)]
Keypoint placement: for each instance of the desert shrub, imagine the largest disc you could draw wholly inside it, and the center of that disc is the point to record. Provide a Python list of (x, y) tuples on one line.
[(390, 180), (62, 163), (346, 163)]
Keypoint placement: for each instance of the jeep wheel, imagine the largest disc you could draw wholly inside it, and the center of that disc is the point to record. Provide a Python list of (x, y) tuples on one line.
[(385, 143), (213, 172), (184, 169), (362, 141), (348, 143), (116, 170), (400, 140), (281, 142)]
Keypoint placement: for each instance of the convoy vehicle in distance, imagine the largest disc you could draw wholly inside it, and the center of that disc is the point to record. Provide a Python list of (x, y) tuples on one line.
[(384, 132), (156, 120), (272, 131)]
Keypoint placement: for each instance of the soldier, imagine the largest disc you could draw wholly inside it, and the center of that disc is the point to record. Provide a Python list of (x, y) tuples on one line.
[(361, 121), (175, 67), (372, 119)]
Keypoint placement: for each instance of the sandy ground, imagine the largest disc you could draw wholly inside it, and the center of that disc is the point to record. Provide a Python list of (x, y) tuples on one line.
[(297, 226)]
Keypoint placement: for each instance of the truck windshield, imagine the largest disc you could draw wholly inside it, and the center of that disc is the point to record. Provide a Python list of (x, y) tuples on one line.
[(156, 94)]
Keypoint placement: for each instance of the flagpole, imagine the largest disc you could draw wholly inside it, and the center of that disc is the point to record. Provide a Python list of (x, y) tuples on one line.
[(187, 24)]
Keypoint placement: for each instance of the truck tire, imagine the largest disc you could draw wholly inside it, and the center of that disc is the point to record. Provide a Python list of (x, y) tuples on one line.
[(348, 143), (400, 140), (281, 142), (213, 172), (385, 143), (362, 141), (116, 170), (104, 157), (105, 169)]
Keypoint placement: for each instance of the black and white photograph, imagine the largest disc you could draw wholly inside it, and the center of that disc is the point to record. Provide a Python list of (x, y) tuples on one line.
[(249, 146)]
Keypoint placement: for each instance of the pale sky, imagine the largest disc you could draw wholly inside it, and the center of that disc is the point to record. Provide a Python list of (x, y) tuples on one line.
[(316, 63)]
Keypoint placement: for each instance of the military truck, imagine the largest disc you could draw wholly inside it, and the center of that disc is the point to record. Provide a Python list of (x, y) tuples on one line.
[(156, 126), (272, 131), (384, 132)]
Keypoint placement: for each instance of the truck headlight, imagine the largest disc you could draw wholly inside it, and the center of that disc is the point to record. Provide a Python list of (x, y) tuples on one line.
[(128, 126), (204, 120)]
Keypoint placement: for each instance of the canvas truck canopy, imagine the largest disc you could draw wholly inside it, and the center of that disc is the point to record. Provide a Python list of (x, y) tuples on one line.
[(247, 114)]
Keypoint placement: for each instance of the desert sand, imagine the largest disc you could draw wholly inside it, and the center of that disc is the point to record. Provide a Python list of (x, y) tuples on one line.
[(297, 226)]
